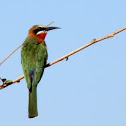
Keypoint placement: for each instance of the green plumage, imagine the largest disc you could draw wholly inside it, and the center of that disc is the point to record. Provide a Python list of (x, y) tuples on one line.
[(33, 59)]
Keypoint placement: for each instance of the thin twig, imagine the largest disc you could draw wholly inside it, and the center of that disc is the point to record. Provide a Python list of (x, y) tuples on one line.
[(49, 24), (10, 55), (69, 54)]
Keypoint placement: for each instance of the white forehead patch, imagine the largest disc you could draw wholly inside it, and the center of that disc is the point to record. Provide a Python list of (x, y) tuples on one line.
[(41, 26)]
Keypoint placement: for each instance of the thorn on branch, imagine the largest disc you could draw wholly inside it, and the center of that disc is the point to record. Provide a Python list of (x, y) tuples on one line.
[(94, 41), (66, 58), (18, 81)]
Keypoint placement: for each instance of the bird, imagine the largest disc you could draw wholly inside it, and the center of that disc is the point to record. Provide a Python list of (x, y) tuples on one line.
[(33, 59)]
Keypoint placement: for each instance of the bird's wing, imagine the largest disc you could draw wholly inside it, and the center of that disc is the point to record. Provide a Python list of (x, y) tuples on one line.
[(33, 58), (40, 62)]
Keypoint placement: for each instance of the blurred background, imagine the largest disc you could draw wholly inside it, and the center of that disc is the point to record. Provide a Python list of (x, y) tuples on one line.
[(90, 88)]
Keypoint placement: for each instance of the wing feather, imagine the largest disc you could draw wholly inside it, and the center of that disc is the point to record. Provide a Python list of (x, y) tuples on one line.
[(34, 56)]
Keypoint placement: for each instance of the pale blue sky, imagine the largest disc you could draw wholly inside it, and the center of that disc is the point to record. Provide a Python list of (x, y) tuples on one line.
[(87, 90)]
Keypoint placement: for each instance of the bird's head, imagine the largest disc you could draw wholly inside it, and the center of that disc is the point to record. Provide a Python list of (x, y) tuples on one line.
[(40, 31)]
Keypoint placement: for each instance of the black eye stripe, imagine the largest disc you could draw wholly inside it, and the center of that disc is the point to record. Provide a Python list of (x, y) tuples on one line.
[(39, 29)]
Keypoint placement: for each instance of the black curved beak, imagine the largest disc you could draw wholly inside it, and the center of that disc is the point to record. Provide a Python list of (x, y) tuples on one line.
[(52, 28)]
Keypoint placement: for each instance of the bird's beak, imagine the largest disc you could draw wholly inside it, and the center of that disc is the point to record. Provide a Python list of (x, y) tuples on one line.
[(51, 28)]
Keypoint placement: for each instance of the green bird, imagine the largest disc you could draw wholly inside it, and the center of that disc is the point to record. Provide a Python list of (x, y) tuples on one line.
[(33, 58)]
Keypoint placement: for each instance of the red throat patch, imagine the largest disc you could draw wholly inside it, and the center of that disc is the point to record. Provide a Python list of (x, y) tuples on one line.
[(42, 35)]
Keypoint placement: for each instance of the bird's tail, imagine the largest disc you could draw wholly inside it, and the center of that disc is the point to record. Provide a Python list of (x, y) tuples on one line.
[(32, 107)]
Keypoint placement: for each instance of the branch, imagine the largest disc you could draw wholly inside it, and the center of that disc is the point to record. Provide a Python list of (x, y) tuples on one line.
[(67, 55)]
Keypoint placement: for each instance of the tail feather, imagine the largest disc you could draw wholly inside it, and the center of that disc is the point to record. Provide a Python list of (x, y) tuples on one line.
[(32, 107)]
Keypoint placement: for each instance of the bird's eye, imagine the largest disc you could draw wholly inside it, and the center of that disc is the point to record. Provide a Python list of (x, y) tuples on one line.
[(37, 30)]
